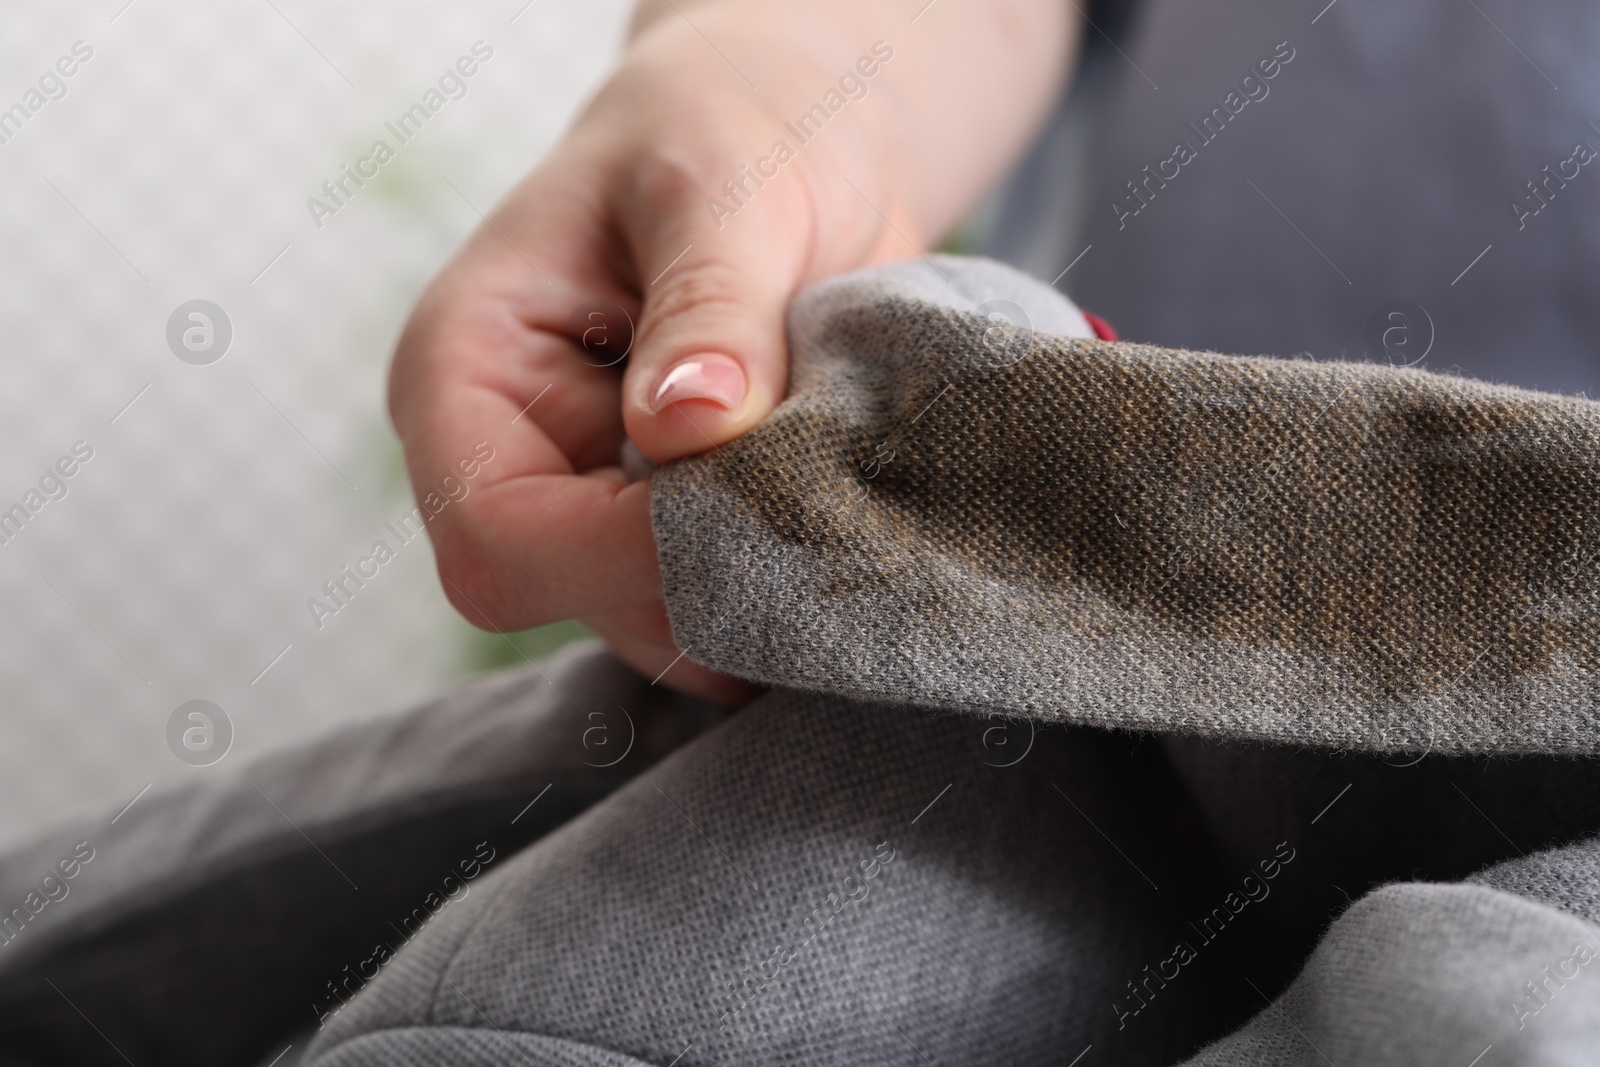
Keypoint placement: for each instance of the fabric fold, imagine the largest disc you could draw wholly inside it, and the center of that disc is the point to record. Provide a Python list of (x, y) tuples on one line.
[(214, 920), (961, 511)]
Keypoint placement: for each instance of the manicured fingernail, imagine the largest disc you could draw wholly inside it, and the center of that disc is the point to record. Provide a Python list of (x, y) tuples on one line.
[(709, 376)]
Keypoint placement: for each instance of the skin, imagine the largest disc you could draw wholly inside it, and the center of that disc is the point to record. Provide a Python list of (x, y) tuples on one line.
[(553, 528)]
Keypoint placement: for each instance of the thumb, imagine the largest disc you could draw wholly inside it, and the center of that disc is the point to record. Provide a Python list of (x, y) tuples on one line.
[(710, 359)]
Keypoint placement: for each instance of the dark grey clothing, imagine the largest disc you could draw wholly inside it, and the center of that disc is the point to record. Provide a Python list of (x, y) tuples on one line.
[(213, 923), (839, 872), (813, 881), (1374, 166)]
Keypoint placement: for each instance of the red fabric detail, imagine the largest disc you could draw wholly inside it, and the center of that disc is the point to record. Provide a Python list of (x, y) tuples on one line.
[(1102, 329)]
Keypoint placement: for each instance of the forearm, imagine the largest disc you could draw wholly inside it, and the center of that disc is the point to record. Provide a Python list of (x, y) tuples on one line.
[(965, 91)]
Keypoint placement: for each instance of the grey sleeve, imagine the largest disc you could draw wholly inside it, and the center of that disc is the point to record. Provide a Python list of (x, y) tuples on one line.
[(957, 514)]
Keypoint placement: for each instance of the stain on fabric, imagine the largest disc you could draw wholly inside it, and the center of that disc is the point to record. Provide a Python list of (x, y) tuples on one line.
[(1432, 528)]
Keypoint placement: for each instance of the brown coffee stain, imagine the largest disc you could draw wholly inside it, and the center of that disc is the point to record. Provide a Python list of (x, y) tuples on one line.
[(1423, 526)]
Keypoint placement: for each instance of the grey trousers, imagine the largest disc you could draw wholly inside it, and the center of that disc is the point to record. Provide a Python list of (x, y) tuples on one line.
[(812, 880)]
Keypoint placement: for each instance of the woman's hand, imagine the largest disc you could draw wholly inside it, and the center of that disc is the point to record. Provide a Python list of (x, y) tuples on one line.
[(618, 226)]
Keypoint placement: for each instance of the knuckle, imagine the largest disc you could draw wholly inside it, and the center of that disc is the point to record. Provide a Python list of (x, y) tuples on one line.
[(709, 290), (469, 583), (670, 180)]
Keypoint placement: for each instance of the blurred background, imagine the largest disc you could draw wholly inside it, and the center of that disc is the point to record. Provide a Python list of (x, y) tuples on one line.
[(174, 164)]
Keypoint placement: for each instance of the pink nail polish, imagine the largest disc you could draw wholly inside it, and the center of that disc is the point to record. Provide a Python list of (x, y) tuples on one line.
[(708, 376)]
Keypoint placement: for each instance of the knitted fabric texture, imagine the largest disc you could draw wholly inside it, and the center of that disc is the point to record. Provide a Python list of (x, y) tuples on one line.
[(958, 513)]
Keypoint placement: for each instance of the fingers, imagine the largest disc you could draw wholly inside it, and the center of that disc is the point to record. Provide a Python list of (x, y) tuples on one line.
[(641, 637), (547, 527), (543, 548), (551, 529), (710, 360)]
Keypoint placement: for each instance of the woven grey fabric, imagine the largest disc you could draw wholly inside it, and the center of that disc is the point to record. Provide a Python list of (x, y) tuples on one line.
[(1362, 821), (471, 1046), (823, 882), (1040, 885), (214, 920), (1568, 880), (950, 514), (1434, 974)]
